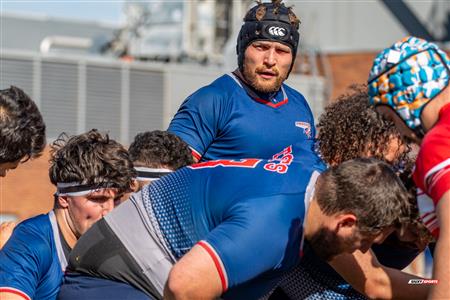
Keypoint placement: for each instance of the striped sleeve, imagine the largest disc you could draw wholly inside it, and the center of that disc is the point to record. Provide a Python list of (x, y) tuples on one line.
[(9, 290), (437, 180), (217, 262)]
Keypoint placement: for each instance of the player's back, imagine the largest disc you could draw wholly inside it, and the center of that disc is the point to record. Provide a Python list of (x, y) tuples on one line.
[(191, 202), (249, 212)]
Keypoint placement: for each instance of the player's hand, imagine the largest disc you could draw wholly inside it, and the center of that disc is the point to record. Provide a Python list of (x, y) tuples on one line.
[(6, 229)]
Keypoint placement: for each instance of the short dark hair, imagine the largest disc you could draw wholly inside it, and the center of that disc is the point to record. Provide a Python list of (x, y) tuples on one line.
[(22, 129), (158, 148), (368, 188), (91, 158), (350, 127)]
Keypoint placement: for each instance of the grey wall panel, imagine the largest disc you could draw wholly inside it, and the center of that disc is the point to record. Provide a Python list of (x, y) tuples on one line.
[(27, 32), (59, 97), (146, 101), (103, 96), (18, 73)]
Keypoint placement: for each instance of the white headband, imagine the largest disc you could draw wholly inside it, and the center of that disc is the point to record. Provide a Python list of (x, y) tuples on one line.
[(75, 189), (150, 174)]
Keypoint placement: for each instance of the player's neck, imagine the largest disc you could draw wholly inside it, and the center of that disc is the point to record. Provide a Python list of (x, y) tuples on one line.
[(251, 91), (311, 223), (63, 224), (430, 114)]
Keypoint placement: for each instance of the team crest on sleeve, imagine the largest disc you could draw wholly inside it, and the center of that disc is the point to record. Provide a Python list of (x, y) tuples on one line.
[(306, 128)]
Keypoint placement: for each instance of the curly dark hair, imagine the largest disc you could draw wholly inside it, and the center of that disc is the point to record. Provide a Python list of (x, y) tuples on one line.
[(91, 158), (367, 187), (22, 129), (158, 148), (351, 128), (417, 227)]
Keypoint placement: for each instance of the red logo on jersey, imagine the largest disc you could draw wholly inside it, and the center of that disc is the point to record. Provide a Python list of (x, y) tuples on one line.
[(243, 163), (280, 161), (306, 128)]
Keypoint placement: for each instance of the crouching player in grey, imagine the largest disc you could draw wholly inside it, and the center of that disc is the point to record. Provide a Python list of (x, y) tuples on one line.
[(231, 228)]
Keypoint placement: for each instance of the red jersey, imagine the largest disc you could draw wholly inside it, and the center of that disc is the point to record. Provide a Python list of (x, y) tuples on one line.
[(432, 173)]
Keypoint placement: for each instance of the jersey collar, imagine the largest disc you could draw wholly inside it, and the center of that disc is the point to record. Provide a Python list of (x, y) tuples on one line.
[(270, 100)]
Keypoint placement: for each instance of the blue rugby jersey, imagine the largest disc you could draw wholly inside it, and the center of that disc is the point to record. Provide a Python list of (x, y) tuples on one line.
[(32, 262), (248, 214), (222, 121)]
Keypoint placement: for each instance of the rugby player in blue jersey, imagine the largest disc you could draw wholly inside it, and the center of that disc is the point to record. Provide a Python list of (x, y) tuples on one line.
[(250, 112), (232, 228), (22, 137), (89, 171)]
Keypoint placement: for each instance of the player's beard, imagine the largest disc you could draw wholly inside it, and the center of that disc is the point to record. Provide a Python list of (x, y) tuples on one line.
[(260, 84), (326, 244)]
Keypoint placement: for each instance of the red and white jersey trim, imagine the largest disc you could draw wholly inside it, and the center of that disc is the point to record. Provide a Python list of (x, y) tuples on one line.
[(427, 212), (195, 154), (217, 262), (15, 292), (271, 104), (433, 176)]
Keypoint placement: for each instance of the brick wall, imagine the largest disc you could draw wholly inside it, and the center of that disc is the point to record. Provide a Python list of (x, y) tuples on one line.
[(349, 68), (27, 191)]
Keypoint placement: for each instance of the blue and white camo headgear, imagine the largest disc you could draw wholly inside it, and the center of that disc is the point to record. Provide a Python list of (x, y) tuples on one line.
[(407, 76)]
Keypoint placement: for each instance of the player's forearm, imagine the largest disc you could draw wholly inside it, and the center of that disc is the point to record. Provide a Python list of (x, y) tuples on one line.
[(441, 271), (369, 277), (399, 285), (387, 283), (10, 296), (441, 265)]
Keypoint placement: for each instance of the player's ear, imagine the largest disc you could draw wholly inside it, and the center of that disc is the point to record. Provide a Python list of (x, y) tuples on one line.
[(346, 224), (135, 185), (62, 201)]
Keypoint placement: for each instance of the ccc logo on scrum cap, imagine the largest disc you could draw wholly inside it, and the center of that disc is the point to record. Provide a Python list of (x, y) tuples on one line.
[(277, 31)]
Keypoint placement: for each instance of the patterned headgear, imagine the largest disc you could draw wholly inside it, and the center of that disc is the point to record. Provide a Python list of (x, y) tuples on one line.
[(407, 76)]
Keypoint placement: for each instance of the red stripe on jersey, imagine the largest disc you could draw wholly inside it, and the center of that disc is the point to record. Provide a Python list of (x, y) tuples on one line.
[(217, 262), (15, 292), (440, 183), (434, 157), (271, 104), (427, 216), (195, 154), (435, 232), (430, 221)]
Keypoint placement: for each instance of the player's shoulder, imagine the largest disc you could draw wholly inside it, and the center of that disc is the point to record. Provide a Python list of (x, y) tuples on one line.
[(36, 231), (293, 93), (434, 150), (39, 222), (31, 242), (221, 88)]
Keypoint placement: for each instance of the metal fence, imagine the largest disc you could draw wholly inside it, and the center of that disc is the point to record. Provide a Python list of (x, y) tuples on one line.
[(76, 94)]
